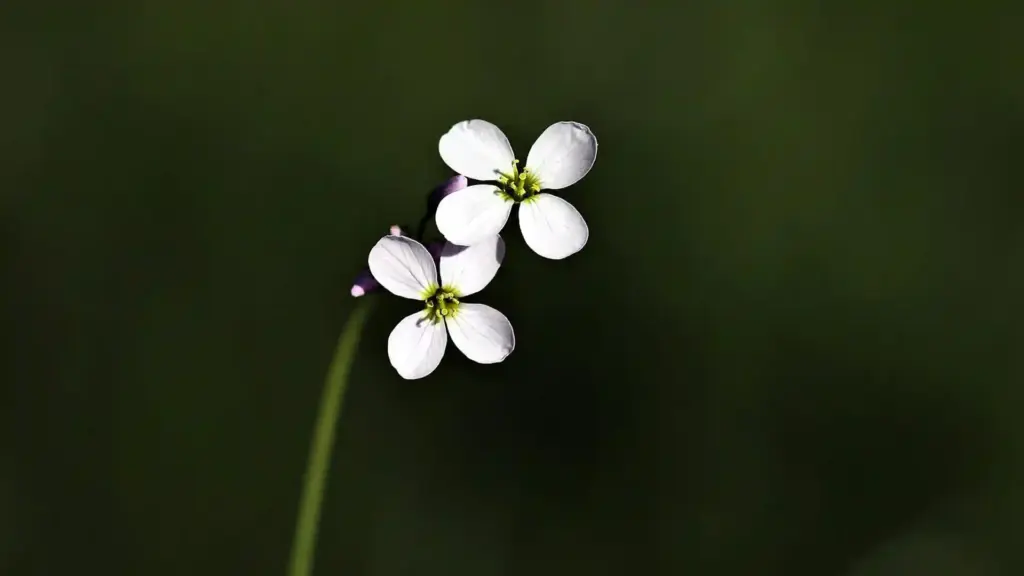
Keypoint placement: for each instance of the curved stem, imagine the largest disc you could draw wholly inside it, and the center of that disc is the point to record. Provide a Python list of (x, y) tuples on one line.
[(304, 545)]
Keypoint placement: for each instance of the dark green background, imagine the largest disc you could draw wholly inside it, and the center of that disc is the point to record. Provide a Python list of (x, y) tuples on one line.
[(791, 346)]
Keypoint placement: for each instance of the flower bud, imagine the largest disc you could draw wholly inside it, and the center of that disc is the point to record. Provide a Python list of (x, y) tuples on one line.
[(364, 284)]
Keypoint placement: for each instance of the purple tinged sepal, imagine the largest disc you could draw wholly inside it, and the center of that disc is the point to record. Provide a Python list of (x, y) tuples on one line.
[(439, 247), (453, 184), (435, 249)]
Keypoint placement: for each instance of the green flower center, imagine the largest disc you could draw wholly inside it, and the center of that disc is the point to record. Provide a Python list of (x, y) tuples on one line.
[(518, 186), (442, 303)]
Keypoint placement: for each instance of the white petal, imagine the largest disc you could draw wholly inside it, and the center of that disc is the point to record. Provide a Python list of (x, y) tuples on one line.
[(562, 155), (472, 214), (416, 346), (476, 149), (482, 333), (403, 266), (470, 269), (552, 227)]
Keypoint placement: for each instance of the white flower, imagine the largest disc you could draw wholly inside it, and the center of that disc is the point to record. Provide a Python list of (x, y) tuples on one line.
[(405, 268), (561, 156)]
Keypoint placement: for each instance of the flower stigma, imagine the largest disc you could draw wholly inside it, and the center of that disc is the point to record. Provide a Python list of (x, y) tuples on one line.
[(443, 303), (518, 186)]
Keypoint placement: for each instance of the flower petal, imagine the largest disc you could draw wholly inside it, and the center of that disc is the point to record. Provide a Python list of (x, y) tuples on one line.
[(552, 227), (482, 333), (470, 269), (562, 155), (416, 346), (472, 214), (476, 149), (403, 266)]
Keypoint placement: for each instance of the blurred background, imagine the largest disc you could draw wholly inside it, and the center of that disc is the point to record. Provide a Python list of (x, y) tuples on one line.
[(791, 346)]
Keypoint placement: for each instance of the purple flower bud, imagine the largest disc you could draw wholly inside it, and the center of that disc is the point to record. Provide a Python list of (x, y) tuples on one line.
[(453, 184), (396, 230), (364, 284)]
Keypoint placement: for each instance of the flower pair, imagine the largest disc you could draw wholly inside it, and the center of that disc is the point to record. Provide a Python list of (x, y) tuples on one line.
[(471, 218)]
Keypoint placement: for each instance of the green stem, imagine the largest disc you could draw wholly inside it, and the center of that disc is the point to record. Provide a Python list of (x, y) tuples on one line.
[(304, 545)]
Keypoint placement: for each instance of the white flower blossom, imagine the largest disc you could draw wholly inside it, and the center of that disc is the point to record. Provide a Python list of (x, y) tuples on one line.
[(561, 156), (406, 268)]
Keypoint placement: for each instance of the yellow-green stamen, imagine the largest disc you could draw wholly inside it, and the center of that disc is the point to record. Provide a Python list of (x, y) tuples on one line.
[(443, 303), (518, 186)]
